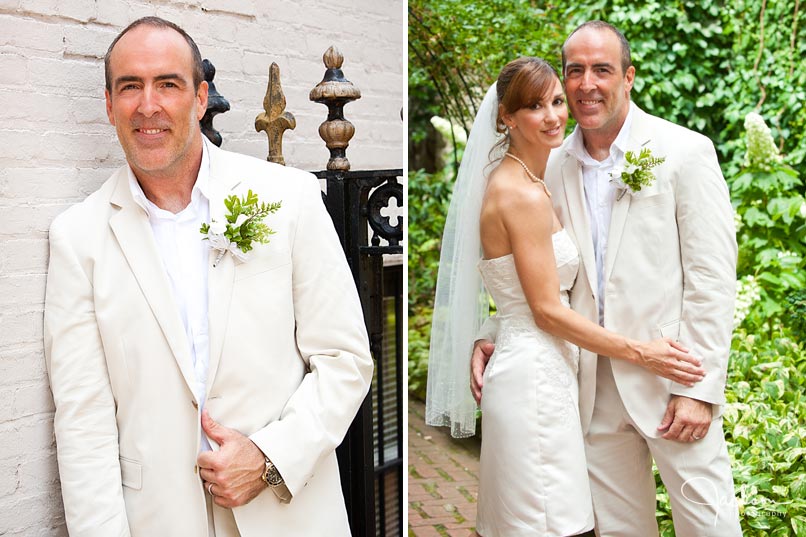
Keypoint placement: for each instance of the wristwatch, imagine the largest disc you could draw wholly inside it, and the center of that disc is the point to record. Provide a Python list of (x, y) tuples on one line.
[(271, 476)]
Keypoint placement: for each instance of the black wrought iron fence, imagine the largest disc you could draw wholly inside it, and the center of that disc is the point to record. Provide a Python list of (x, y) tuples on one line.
[(371, 458)]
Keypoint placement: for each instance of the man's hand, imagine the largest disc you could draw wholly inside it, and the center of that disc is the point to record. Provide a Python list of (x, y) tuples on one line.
[(234, 471), (686, 419), (482, 350)]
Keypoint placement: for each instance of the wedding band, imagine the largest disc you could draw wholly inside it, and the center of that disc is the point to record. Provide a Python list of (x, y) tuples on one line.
[(210, 489)]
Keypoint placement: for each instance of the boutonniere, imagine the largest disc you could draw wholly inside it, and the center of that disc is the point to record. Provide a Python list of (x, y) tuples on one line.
[(243, 226), (636, 172)]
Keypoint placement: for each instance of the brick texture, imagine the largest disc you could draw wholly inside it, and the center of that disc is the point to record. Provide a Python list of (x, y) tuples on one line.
[(443, 484), (56, 147)]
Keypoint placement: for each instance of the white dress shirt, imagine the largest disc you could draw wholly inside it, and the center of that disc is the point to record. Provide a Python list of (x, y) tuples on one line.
[(185, 258), (600, 193)]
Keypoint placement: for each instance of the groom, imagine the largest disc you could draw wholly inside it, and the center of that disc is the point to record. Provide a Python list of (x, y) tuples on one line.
[(159, 349), (659, 261)]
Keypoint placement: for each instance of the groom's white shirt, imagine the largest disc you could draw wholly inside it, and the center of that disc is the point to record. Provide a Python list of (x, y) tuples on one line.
[(185, 260), (600, 192)]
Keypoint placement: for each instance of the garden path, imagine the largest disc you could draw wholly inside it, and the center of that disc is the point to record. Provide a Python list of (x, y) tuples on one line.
[(443, 479)]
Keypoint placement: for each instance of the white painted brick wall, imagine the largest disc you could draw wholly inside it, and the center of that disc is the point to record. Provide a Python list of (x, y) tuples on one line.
[(56, 147)]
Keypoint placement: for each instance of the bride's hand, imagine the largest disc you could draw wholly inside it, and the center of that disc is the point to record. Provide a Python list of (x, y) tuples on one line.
[(669, 359)]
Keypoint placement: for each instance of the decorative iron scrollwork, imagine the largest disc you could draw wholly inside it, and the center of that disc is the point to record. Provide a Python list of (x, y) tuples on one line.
[(355, 201), (381, 225), (216, 104)]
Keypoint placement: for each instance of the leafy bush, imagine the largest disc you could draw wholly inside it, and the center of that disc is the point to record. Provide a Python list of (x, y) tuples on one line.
[(428, 199), (771, 231), (765, 427), (796, 314)]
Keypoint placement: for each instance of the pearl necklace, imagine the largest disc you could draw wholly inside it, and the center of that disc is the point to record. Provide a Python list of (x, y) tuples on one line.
[(532, 176)]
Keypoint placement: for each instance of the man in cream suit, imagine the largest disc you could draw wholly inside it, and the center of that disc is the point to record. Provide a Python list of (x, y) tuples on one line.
[(196, 395), (655, 262)]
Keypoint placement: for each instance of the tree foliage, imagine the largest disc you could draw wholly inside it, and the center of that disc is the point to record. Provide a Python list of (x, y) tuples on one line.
[(456, 49), (703, 64)]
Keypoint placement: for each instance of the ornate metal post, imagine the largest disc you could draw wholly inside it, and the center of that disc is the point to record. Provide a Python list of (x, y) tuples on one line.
[(335, 91), (216, 104), (355, 200), (356, 452), (275, 120)]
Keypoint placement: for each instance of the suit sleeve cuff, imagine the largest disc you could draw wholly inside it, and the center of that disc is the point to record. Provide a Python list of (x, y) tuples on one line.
[(282, 493), (488, 330)]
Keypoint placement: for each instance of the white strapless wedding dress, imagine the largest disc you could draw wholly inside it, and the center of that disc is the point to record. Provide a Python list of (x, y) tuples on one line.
[(533, 478)]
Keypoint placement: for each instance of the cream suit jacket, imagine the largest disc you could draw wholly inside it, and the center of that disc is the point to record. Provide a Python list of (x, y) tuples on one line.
[(289, 361), (670, 267)]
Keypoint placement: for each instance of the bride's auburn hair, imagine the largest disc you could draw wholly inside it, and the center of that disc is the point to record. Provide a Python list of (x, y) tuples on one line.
[(522, 83)]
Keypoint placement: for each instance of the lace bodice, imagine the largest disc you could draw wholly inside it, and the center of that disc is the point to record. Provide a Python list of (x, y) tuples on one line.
[(501, 278)]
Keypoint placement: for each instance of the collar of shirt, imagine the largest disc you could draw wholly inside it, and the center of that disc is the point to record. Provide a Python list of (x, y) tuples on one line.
[(199, 193), (576, 145)]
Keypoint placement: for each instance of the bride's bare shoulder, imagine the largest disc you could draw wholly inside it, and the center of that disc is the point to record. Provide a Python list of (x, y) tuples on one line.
[(508, 189)]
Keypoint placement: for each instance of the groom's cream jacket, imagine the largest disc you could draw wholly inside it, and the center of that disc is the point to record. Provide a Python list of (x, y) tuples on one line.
[(289, 362), (670, 267)]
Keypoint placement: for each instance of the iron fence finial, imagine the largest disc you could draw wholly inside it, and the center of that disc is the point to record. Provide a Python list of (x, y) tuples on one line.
[(335, 91), (275, 120)]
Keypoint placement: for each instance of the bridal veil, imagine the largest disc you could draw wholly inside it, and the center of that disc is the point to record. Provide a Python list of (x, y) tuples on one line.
[(461, 303)]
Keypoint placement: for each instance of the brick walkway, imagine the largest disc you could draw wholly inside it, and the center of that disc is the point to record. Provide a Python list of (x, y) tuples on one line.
[(443, 479)]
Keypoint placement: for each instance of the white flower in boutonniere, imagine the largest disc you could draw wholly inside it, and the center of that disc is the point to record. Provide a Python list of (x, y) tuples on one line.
[(243, 226), (636, 172)]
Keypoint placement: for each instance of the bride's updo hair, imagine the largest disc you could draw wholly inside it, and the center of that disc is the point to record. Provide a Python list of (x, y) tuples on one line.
[(522, 83)]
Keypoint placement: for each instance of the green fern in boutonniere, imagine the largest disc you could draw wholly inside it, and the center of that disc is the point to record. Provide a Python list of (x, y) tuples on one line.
[(243, 227), (637, 171)]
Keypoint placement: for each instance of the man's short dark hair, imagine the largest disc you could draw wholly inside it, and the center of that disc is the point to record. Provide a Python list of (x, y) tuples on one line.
[(156, 22), (626, 57)]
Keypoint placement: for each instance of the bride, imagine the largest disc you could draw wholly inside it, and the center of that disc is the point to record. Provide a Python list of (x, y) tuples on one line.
[(501, 229)]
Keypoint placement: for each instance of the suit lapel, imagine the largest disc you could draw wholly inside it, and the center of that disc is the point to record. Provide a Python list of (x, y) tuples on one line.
[(639, 137), (135, 237), (220, 278), (578, 216), (618, 217)]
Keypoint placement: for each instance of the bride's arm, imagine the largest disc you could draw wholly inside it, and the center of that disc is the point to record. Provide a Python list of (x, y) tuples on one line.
[(528, 221)]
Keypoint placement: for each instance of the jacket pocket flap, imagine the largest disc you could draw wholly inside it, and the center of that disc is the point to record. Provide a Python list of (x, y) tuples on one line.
[(131, 473), (670, 330)]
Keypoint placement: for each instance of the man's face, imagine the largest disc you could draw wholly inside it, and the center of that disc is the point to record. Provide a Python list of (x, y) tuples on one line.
[(597, 88), (153, 104)]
